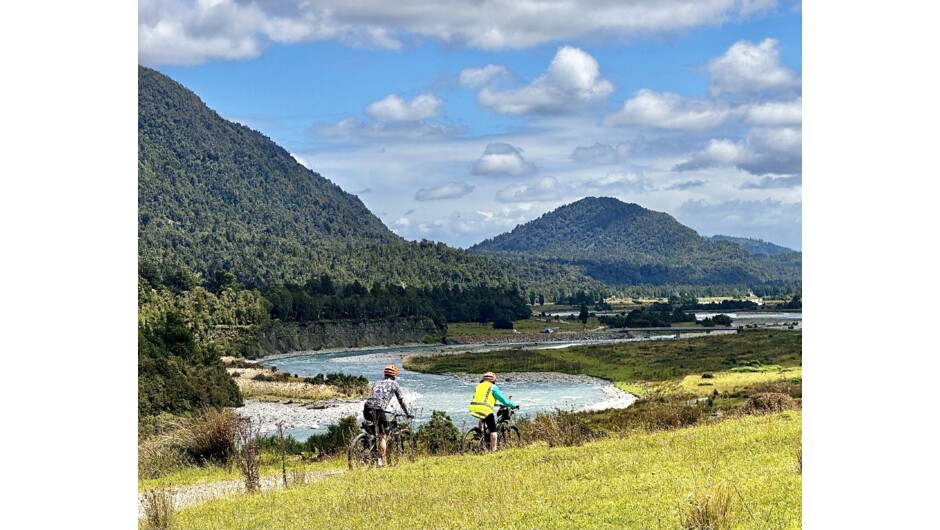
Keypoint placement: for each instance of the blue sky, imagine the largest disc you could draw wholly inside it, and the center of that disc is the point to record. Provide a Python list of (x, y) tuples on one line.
[(456, 124)]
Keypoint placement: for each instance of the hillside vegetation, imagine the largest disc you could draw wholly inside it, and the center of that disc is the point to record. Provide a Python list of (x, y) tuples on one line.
[(626, 244), (641, 481), (217, 197)]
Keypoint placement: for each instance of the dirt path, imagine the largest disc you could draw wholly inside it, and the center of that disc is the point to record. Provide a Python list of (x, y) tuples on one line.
[(185, 496)]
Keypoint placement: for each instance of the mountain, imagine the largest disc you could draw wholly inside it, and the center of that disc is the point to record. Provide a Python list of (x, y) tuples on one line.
[(626, 244), (755, 247), (218, 197)]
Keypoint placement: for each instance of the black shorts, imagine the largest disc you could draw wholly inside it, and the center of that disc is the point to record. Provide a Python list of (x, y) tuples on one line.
[(490, 422), (378, 417)]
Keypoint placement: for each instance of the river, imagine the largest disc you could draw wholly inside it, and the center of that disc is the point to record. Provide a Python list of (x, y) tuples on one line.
[(426, 392)]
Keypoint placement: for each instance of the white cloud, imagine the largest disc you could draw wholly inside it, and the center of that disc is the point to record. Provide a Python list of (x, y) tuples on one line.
[(601, 153), (669, 111), (775, 113), (502, 159), (547, 188), (572, 80), (747, 67), (618, 181), (451, 190), (393, 108), (352, 128), (195, 31), (478, 77), (764, 150)]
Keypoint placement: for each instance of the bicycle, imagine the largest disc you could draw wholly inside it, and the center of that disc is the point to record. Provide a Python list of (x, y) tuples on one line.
[(477, 440), (363, 450)]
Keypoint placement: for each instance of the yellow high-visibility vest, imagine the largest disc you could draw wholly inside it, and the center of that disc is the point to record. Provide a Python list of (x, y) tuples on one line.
[(483, 400)]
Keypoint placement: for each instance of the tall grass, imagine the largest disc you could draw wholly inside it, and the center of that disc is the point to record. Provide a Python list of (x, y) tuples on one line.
[(708, 507), (159, 509), (248, 456), (206, 437)]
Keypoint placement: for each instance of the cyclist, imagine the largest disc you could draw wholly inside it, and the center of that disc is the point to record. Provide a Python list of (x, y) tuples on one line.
[(481, 407), (374, 409)]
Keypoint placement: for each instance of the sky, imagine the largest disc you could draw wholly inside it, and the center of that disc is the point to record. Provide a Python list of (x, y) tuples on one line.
[(455, 121)]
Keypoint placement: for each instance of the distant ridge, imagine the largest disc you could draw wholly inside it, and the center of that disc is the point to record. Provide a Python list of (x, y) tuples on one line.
[(755, 247), (626, 244)]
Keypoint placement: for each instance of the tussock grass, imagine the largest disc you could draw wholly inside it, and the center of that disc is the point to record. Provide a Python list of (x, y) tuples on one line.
[(159, 509), (640, 481), (768, 402), (709, 507)]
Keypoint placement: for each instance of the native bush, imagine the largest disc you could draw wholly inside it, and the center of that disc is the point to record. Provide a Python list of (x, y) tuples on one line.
[(439, 435)]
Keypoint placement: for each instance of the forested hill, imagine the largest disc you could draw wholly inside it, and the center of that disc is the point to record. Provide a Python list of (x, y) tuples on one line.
[(215, 196), (626, 244)]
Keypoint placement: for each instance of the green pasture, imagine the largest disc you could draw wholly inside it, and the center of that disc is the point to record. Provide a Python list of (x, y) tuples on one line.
[(633, 362)]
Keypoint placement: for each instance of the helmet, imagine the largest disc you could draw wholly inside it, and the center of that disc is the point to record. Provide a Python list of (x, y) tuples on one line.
[(489, 376), (391, 370)]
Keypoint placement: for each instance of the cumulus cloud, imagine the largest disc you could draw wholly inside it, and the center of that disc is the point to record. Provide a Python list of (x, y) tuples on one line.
[(479, 77), (765, 150), (393, 108), (774, 182), (775, 113), (572, 80), (451, 190), (502, 159), (619, 181), (601, 154), (669, 111), (547, 188), (195, 31), (747, 67)]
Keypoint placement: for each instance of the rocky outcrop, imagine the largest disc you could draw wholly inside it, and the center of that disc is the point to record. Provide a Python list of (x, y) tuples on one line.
[(284, 337)]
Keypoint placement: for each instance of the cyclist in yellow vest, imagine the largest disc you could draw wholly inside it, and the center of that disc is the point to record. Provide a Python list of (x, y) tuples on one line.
[(481, 407)]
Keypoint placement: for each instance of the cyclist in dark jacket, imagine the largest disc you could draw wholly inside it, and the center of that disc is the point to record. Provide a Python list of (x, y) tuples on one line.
[(374, 409)]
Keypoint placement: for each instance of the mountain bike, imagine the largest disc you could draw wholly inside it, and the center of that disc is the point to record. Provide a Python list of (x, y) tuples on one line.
[(363, 450), (477, 439)]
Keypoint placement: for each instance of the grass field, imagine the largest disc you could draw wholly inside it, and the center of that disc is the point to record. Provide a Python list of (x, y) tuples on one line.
[(534, 324), (641, 481), (633, 362)]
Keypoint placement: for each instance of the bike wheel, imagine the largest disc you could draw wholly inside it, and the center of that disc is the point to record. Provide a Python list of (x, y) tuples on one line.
[(473, 441), (362, 452), (509, 437)]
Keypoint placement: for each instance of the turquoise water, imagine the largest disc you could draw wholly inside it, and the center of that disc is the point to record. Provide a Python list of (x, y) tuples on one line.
[(426, 392)]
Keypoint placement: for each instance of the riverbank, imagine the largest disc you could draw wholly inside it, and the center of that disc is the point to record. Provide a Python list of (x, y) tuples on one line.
[(266, 415)]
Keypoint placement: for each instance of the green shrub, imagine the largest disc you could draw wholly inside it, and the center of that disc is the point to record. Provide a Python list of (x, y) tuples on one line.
[(439, 435), (708, 375), (336, 439)]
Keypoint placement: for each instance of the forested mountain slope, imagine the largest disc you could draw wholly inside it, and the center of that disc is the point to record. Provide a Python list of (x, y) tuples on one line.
[(215, 196)]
